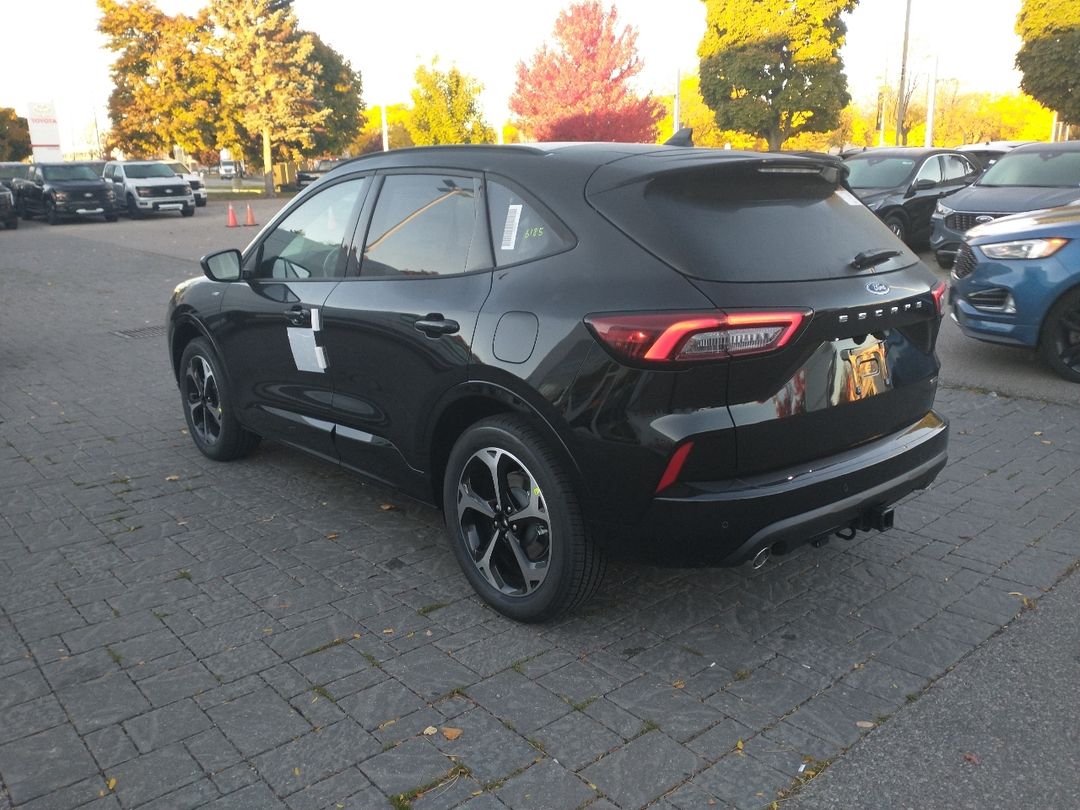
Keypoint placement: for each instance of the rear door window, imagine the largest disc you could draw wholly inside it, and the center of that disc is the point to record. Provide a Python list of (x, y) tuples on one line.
[(749, 222)]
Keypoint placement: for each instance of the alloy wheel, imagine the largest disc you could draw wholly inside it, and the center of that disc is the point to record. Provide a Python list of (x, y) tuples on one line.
[(203, 400), (1067, 336), (504, 521)]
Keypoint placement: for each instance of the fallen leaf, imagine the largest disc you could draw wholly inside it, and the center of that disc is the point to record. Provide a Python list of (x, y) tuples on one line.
[(451, 733), (739, 745), (356, 635), (386, 507), (679, 684), (389, 631), (1038, 433), (111, 784), (332, 536), (1045, 441), (183, 431), (865, 724), (172, 477), (410, 634), (972, 758), (430, 731)]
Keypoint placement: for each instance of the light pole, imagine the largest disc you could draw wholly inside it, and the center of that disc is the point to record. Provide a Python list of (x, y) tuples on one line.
[(901, 100)]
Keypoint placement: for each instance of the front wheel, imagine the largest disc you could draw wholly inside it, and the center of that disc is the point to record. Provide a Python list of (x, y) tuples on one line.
[(50, 213), (515, 524), (133, 208), (207, 407), (22, 210), (110, 217), (12, 224), (187, 211), (897, 225), (1060, 340)]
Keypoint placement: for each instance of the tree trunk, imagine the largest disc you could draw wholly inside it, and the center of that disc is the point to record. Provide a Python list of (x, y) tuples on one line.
[(776, 139), (268, 166)]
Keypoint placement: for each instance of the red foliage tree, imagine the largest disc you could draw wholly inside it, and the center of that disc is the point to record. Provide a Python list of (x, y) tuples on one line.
[(578, 88)]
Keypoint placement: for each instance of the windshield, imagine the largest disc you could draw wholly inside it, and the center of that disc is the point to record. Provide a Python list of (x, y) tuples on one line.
[(326, 165), (8, 172), (138, 171), (179, 168), (1049, 169), (878, 172), (61, 173)]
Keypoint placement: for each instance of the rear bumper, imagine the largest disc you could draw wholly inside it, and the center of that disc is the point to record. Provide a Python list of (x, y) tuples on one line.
[(726, 523)]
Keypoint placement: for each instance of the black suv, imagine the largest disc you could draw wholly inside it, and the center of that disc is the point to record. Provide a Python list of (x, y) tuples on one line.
[(691, 356), (902, 185)]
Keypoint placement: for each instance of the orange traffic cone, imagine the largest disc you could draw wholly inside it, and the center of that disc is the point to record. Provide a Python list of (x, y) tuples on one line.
[(231, 221), (250, 218)]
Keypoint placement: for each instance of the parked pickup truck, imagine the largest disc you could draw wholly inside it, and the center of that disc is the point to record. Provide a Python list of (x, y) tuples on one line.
[(59, 190), (149, 186)]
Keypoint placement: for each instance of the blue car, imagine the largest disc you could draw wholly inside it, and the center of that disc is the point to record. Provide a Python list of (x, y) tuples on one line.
[(1017, 281)]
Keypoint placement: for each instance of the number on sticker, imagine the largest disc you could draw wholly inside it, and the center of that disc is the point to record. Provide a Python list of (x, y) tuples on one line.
[(532, 233)]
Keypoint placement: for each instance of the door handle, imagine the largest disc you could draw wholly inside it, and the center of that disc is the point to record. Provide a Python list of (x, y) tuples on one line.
[(434, 325), (298, 317)]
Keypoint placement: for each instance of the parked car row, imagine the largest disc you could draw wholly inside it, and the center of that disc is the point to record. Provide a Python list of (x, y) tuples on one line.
[(89, 189)]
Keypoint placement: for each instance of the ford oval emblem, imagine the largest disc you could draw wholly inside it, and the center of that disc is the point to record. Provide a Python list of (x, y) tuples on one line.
[(984, 218), (878, 287)]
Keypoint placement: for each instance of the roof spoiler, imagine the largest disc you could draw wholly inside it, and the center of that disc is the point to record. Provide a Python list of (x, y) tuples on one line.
[(684, 137)]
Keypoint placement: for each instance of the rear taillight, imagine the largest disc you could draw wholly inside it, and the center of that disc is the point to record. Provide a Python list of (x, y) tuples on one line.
[(939, 295), (665, 337)]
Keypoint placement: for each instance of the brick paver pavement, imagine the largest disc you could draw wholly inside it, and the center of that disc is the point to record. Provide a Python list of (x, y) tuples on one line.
[(176, 633)]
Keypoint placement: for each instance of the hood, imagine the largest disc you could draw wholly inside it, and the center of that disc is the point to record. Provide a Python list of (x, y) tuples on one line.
[(1009, 199), (872, 196), (156, 181), (1064, 221), (76, 185)]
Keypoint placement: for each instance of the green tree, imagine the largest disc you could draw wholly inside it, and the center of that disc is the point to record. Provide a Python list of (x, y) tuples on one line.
[(14, 136), (339, 89), (772, 67), (1049, 57), (446, 109), (269, 76), (694, 113)]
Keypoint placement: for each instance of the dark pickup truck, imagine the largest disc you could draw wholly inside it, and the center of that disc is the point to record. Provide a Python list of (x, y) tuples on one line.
[(58, 190)]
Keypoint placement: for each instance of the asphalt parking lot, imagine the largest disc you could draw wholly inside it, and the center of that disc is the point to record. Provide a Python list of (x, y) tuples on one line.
[(270, 633)]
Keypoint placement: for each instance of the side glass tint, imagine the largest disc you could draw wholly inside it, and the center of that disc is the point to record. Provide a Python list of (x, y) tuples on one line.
[(931, 170), (956, 167), (310, 242), (520, 230), (423, 225)]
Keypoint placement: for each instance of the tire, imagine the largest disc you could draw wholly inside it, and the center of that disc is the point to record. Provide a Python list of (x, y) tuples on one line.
[(133, 209), (21, 210), (200, 203), (896, 224), (1059, 342), (187, 211), (530, 559), (50, 213), (12, 224), (111, 217), (208, 406), (945, 260)]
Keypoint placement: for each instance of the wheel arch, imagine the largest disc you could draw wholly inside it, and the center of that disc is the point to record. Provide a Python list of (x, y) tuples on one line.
[(1072, 287), (468, 404)]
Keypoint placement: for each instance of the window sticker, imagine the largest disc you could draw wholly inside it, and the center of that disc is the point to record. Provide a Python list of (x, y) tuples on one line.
[(513, 216), (848, 197)]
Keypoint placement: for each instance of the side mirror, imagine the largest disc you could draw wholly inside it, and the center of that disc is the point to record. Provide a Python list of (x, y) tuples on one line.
[(222, 266), (924, 184)]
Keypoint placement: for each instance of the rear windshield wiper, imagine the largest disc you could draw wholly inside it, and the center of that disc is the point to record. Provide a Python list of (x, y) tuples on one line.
[(872, 257)]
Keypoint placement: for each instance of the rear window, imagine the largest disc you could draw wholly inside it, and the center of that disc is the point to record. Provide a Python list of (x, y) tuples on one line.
[(743, 224), (1044, 169), (869, 171)]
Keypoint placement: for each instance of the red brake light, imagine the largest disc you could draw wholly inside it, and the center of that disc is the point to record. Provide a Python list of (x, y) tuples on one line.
[(683, 336), (939, 294)]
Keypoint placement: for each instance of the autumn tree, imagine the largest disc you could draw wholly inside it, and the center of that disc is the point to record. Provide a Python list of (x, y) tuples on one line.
[(695, 114), (369, 139), (446, 108), (339, 89), (14, 135), (1050, 54), (269, 75), (773, 67), (577, 87)]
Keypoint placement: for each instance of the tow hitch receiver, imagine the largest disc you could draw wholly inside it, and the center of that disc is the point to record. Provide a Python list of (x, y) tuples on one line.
[(879, 518)]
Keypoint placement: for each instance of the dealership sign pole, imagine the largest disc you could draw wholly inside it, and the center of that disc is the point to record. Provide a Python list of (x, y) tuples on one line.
[(44, 132)]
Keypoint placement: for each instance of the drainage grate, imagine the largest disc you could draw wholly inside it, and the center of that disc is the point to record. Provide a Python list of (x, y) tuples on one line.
[(141, 332)]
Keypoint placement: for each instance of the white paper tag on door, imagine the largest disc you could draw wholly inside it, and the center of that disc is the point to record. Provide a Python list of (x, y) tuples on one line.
[(513, 217), (305, 353)]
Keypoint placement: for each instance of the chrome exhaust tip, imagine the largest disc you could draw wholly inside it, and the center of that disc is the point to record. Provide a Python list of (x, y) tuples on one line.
[(761, 558)]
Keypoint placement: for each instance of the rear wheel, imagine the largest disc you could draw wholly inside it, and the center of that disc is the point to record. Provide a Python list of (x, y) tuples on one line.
[(897, 225), (1060, 340), (207, 407), (515, 524)]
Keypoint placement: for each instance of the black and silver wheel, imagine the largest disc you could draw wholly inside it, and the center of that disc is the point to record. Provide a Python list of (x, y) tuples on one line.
[(133, 208), (515, 524), (210, 421), (896, 224), (1060, 342)]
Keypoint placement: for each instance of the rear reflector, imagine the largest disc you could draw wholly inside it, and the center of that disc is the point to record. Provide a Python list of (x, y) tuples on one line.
[(674, 467), (665, 337), (939, 294)]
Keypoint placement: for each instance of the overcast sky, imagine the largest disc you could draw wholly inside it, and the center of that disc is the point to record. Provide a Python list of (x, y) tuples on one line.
[(973, 41)]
